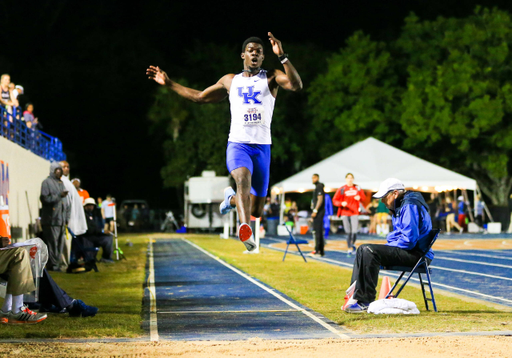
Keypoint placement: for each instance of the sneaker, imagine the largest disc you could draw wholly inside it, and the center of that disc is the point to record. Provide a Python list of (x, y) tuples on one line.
[(4, 317), (354, 249), (25, 316), (358, 307), (79, 308), (245, 235), (225, 207), (349, 253)]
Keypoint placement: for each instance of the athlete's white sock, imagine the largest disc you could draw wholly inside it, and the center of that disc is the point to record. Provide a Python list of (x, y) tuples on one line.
[(7, 306), (17, 303)]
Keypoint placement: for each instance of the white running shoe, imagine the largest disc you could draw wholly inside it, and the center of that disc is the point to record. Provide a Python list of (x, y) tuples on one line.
[(245, 235), (225, 207)]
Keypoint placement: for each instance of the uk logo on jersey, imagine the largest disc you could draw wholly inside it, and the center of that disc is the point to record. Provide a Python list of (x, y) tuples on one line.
[(250, 95)]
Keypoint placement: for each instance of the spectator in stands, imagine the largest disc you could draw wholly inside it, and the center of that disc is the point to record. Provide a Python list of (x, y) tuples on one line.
[(6, 98), (405, 244), (107, 212), (18, 90), (94, 235), (15, 262), (84, 194), (55, 215), (28, 116), (77, 223)]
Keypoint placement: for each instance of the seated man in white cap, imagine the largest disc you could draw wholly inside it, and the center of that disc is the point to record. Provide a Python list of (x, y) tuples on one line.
[(94, 235), (405, 244)]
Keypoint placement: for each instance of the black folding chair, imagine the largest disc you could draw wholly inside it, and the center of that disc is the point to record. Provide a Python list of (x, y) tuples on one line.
[(292, 240), (421, 267)]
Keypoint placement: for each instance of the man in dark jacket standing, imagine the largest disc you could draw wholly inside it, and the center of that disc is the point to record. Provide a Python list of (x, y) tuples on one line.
[(55, 215), (405, 244)]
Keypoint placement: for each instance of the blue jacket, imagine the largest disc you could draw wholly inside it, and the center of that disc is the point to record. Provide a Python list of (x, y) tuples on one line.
[(411, 223)]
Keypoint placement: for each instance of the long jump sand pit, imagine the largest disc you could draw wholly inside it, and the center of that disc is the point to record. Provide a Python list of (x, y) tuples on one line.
[(432, 347)]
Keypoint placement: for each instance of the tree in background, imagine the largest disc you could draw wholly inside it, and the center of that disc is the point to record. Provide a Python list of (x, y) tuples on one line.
[(458, 103), (442, 91), (357, 97)]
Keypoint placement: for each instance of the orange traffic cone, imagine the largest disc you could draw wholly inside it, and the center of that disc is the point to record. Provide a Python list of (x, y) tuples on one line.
[(385, 288)]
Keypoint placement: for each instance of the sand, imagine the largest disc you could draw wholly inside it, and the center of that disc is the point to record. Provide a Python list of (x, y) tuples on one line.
[(431, 347)]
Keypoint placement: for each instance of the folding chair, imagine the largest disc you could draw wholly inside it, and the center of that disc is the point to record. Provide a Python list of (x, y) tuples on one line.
[(421, 267), (292, 240)]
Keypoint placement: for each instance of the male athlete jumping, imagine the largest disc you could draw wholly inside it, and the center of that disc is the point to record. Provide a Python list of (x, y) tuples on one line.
[(252, 95)]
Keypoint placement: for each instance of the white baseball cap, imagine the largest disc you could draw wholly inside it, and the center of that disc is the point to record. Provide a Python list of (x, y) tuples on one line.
[(89, 201), (388, 185)]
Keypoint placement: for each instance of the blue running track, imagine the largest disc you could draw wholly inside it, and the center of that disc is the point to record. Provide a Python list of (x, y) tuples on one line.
[(199, 297), (481, 274)]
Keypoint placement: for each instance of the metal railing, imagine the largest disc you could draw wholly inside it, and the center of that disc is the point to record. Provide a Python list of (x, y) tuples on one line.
[(13, 128)]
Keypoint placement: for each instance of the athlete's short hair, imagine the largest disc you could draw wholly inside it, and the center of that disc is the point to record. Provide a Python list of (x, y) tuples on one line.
[(316, 175), (252, 39)]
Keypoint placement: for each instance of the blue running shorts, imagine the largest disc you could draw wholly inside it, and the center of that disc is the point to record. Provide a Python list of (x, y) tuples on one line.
[(256, 158)]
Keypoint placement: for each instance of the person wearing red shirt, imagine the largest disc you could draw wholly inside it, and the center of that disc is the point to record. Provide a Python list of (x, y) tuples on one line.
[(348, 199)]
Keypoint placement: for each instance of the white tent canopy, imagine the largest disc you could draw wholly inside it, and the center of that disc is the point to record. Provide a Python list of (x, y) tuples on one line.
[(372, 161)]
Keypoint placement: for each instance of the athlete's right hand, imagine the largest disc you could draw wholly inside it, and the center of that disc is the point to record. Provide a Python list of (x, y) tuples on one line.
[(343, 203), (156, 74)]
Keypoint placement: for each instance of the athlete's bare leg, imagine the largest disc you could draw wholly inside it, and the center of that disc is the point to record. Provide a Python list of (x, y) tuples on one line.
[(243, 199)]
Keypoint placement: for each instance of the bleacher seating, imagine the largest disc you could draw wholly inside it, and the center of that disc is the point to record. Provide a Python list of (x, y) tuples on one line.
[(38, 142)]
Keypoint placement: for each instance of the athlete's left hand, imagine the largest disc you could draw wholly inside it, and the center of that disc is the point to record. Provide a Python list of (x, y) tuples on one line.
[(276, 45)]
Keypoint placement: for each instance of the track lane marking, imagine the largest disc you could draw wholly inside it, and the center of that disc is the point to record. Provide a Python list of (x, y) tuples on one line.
[(471, 262), (153, 323), (273, 293), (471, 273), (478, 255)]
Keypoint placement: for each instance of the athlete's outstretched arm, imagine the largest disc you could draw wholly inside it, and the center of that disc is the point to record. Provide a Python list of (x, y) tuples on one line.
[(212, 94), (290, 79)]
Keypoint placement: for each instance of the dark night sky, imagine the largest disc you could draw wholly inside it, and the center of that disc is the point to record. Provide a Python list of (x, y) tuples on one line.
[(83, 66)]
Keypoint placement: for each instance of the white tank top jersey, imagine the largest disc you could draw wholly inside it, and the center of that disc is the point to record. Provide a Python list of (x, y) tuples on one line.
[(252, 106)]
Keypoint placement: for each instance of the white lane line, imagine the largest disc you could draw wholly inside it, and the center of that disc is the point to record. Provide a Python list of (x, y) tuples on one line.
[(508, 251), (241, 311), (471, 262), (471, 273), (478, 255), (454, 288), (273, 293), (153, 324)]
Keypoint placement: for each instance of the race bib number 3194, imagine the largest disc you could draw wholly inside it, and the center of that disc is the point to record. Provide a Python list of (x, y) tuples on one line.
[(254, 116)]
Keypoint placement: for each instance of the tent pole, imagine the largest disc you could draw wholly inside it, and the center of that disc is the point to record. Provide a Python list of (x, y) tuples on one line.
[(466, 198), (281, 209)]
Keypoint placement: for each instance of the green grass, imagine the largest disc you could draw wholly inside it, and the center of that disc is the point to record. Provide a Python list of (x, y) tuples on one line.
[(321, 287), (117, 291)]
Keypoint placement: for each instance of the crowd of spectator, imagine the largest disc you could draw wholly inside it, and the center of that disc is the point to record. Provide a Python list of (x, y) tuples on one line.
[(74, 229), (17, 120)]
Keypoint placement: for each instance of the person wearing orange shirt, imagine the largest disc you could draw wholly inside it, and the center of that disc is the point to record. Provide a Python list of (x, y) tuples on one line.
[(348, 198), (84, 194)]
